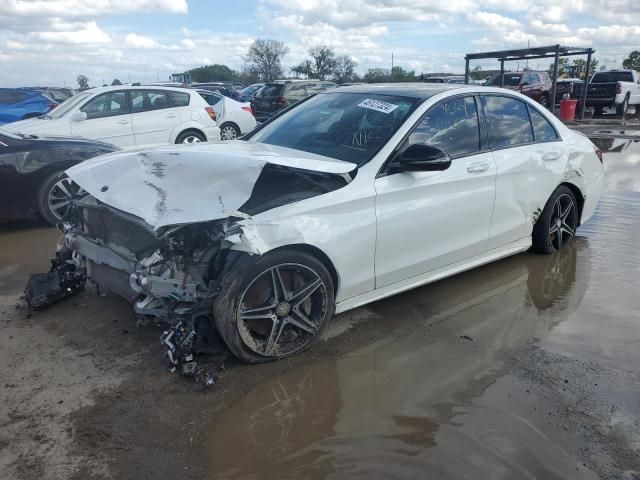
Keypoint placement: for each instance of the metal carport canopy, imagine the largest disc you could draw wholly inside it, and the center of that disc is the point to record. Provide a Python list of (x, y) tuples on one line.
[(552, 51)]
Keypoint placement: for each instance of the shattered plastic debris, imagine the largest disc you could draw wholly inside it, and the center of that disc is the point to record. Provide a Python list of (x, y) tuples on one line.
[(178, 341), (62, 281)]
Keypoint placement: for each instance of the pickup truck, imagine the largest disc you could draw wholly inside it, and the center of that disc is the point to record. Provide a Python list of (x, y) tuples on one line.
[(615, 88)]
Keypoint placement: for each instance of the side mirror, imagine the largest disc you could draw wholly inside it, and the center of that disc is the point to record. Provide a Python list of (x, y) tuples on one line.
[(79, 116), (420, 158)]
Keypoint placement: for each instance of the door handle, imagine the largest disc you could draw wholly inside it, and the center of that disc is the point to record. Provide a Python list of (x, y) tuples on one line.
[(171, 115), (551, 156), (123, 122), (478, 167)]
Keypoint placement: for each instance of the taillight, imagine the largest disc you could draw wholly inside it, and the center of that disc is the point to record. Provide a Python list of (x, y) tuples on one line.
[(247, 108), (211, 112), (618, 88), (51, 105), (279, 101), (599, 154)]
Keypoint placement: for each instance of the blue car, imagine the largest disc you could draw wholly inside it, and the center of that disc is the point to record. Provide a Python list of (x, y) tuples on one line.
[(20, 103)]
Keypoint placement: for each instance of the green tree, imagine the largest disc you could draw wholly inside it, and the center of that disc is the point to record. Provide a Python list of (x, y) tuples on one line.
[(212, 73), (83, 82), (264, 57), (399, 74), (632, 61), (304, 68), (323, 60), (116, 82), (344, 69), (376, 75)]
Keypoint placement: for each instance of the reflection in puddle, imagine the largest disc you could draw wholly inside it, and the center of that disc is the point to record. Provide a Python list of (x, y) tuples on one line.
[(434, 396)]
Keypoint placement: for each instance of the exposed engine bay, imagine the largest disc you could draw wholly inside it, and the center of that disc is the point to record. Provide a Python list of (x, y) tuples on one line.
[(170, 274)]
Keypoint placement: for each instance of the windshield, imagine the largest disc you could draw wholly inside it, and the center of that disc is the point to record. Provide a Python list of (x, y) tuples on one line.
[(271, 90), (68, 105), (510, 80), (611, 77), (346, 126)]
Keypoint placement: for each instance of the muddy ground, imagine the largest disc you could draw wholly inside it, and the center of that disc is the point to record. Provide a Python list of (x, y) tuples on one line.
[(526, 368)]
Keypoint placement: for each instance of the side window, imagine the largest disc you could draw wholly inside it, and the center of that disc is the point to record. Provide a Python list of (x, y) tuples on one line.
[(179, 99), (297, 90), (507, 121), (526, 80), (106, 105), (543, 131), (451, 126), (145, 100), (535, 79)]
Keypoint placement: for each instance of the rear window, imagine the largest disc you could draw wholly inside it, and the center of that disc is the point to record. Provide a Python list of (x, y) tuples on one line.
[(271, 90), (510, 80), (179, 99), (610, 77)]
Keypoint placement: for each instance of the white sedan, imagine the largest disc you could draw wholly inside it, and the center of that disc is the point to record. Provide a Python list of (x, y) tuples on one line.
[(128, 116), (235, 118), (353, 195)]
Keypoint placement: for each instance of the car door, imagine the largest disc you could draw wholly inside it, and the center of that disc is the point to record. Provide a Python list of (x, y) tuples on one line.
[(428, 220), (13, 198), (528, 171), (108, 119), (153, 117)]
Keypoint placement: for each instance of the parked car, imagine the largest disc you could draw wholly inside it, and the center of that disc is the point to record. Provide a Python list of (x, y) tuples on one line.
[(57, 94), (571, 86), (30, 169), (129, 116), (457, 79), (614, 88), (275, 97), (247, 93), (20, 103), (234, 118), (536, 85), (350, 196)]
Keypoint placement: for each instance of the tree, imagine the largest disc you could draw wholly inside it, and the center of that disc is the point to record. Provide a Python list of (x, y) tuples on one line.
[(399, 74), (212, 73), (83, 82), (344, 69), (304, 68), (116, 82), (323, 61), (633, 61), (265, 58), (376, 75)]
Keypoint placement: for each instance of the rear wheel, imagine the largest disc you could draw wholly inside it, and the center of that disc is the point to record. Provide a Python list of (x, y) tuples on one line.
[(622, 108), (272, 306), (229, 131), (544, 101), (191, 136), (557, 224)]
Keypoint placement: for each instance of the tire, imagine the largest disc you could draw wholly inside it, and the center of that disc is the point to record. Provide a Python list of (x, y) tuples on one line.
[(229, 131), (544, 101), (54, 197), (191, 136), (550, 236), (256, 316), (622, 108)]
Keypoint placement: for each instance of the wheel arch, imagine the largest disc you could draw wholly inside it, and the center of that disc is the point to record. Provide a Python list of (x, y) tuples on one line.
[(579, 197), (193, 129)]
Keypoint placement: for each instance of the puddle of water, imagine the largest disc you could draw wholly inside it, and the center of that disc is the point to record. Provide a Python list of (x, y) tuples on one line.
[(435, 396), (24, 249)]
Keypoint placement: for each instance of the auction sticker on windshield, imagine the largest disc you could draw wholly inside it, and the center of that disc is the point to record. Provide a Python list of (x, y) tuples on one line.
[(378, 105)]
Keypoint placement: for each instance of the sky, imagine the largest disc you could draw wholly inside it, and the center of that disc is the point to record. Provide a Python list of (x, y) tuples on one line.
[(50, 42)]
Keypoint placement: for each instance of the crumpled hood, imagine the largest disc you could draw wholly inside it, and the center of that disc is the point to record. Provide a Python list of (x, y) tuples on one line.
[(189, 183)]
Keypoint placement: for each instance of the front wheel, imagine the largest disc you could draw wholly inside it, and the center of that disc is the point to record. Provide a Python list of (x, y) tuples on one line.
[(544, 101), (274, 305), (56, 196), (557, 223)]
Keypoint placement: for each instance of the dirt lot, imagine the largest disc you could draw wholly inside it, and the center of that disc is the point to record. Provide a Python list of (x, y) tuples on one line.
[(526, 368)]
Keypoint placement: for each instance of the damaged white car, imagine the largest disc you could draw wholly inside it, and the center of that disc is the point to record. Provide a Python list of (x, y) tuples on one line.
[(348, 197)]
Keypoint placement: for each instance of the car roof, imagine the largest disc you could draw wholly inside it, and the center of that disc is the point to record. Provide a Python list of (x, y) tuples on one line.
[(135, 87), (415, 90)]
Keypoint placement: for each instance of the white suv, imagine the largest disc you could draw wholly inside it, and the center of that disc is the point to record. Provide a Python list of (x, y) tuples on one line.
[(129, 116)]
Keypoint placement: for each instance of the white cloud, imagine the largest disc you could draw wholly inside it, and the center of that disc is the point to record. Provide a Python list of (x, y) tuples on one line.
[(140, 41), (83, 8), (88, 34)]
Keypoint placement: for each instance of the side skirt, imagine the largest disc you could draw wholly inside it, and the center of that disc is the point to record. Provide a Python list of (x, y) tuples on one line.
[(434, 275)]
